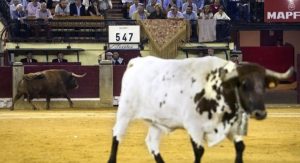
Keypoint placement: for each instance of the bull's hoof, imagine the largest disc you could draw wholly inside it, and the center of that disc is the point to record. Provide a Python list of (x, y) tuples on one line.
[(11, 109)]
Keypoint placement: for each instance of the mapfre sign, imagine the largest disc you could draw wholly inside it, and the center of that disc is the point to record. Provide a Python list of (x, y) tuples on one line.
[(282, 10)]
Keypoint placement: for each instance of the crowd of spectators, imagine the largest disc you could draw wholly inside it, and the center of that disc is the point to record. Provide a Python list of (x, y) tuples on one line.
[(234, 10), (63, 7)]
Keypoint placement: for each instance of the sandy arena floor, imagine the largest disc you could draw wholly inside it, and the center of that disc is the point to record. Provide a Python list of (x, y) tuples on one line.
[(85, 136)]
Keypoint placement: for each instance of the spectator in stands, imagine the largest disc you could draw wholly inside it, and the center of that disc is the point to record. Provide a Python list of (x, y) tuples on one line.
[(18, 16), (158, 14), (32, 7), (221, 15), (24, 3), (108, 56), (206, 13), (239, 10), (191, 15), (210, 52), (43, 14), (62, 9), (234, 58), (13, 6), (199, 4), (117, 60), (93, 9), (141, 13), (174, 13), (104, 6), (244, 12), (167, 4), (222, 27), (87, 3), (214, 8), (189, 3), (151, 6), (60, 58), (29, 58), (125, 8), (133, 8), (77, 8)]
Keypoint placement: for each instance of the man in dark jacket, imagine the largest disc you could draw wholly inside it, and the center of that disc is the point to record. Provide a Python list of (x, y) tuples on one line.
[(60, 58), (77, 8), (28, 58)]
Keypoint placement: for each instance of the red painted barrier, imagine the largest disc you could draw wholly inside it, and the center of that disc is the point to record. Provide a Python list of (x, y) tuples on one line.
[(275, 58), (118, 72), (5, 82)]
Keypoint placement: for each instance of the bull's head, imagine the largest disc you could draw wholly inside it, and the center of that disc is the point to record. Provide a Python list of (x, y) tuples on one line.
[(72, 82), (249, 81)]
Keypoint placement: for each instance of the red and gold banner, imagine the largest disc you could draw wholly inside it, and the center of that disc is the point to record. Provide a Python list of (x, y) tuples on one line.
[(282, 11), (165, 35)]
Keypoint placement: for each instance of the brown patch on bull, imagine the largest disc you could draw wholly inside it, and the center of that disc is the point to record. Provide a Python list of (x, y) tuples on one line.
[(216, 130), (198, 96), (162, 103), (193, 80), (209, 106)]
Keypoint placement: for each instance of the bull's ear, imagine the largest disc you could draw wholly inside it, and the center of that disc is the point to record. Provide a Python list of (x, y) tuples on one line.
[(271, 82)]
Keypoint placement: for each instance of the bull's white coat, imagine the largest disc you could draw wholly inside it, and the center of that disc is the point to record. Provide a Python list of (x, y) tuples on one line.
[(162, 93)]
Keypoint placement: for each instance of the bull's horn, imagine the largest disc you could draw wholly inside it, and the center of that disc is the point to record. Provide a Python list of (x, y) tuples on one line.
[(78, 76), (280, 76), (231, 75)]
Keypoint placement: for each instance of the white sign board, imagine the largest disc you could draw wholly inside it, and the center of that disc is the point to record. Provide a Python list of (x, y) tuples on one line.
[(123, 46), (124, 34)]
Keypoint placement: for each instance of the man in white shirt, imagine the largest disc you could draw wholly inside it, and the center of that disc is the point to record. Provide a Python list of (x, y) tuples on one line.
[(32, 7), (13, 7), (133, 7), (189, 3), (221, 15), (62, 9), (174, 13)]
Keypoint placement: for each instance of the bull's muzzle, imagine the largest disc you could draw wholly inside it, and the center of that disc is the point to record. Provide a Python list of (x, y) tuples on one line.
[(259, 114)]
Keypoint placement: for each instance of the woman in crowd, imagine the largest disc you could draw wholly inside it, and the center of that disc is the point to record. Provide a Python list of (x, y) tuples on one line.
[(93, 9), (158, 13), (206, 13)]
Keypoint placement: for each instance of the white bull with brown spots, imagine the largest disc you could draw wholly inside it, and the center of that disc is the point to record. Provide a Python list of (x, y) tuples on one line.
[(205, 96)]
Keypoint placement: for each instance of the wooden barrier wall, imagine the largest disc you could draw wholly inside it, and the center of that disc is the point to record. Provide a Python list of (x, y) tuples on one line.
[(5, 82), (118, 72)]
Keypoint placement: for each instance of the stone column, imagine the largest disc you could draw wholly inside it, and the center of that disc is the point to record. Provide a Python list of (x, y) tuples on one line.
[(17, 75), (106, 83)]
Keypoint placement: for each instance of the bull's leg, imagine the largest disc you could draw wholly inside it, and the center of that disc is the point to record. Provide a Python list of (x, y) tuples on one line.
[(198, 151), (29, 99), (118, 132), (152, 141), (48, 102), (70, 102), (239, 149), (17, 97), (194, 129)]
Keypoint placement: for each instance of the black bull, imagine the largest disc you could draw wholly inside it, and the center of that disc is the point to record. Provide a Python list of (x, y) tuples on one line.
[(48, 83)]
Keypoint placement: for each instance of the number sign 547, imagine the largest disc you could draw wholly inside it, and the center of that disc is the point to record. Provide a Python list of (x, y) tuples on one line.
[(124, 36)]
